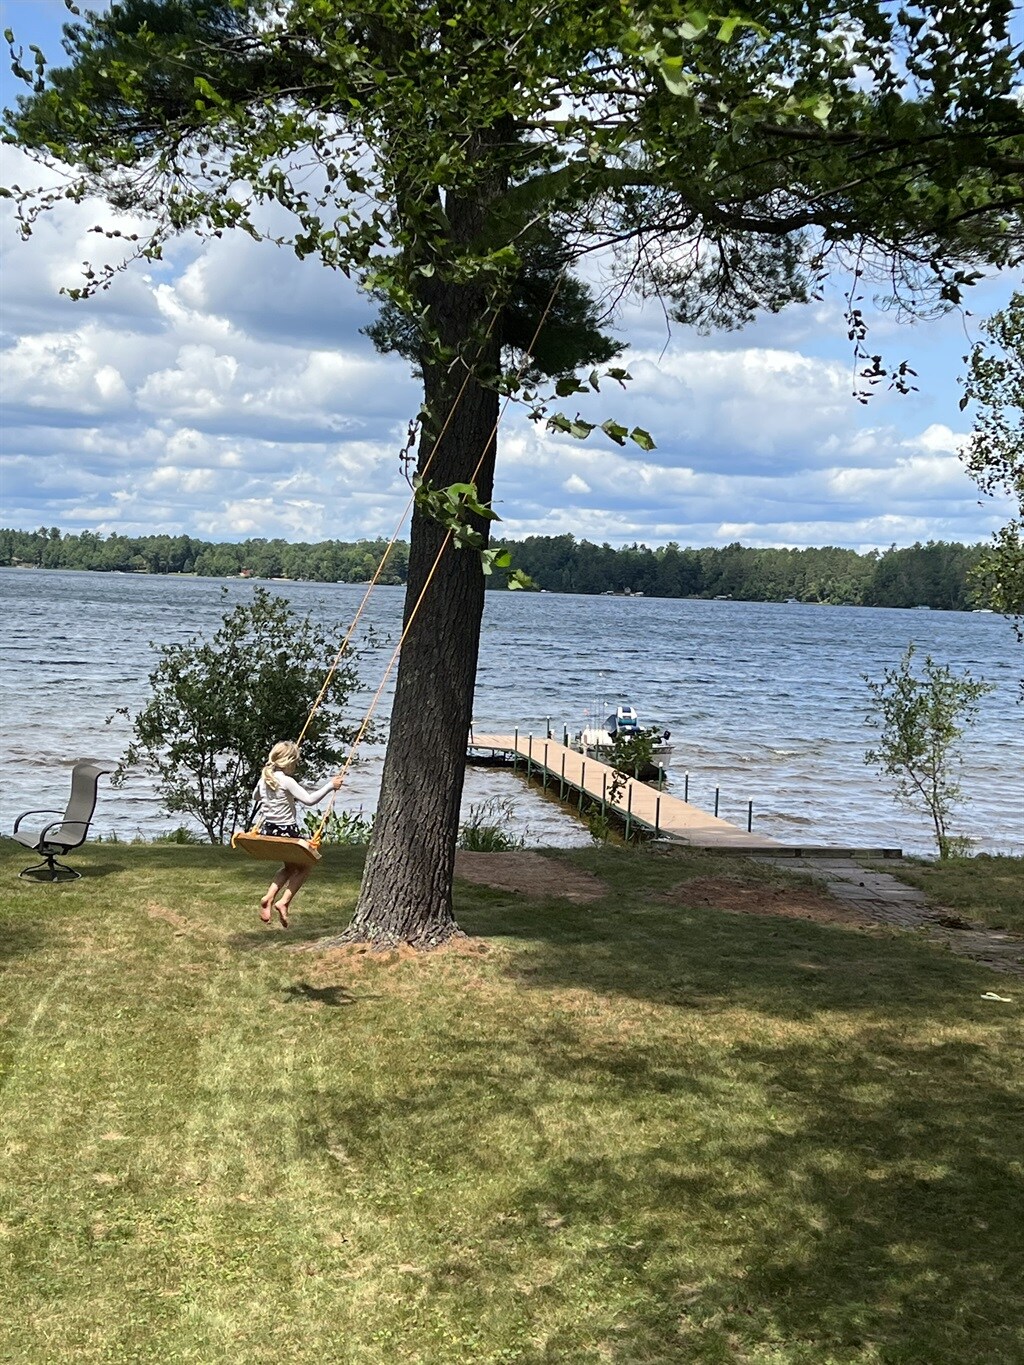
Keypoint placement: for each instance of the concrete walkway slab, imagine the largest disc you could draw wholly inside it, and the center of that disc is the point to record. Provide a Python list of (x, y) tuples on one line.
[(884, 899)]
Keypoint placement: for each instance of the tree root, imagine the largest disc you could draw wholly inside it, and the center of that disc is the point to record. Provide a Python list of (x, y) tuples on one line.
[(381, 941)]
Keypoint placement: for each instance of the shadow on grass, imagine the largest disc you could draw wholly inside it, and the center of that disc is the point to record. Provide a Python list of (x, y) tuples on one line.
[(699, 958), (19, 937), (895, 1232), (872, 1211), (15, 858), (303, 993), (86, 872)]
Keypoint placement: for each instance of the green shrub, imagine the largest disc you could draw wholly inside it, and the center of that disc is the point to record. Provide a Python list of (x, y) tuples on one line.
[(181, 835), (219, 704), (340, 827), (486, 830)]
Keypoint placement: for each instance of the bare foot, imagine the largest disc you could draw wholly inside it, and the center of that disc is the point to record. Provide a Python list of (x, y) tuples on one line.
[(282, 913), (265, 913)]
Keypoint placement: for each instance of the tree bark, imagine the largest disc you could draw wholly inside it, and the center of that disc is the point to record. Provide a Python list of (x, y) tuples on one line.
[(406, 894)]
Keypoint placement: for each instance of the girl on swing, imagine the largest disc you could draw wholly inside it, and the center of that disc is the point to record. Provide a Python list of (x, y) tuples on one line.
[(277, 792)]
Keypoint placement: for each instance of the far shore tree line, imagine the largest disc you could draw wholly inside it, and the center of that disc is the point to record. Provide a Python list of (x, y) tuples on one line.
[(940, 574)]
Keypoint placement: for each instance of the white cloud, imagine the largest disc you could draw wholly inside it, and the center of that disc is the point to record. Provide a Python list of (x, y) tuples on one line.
[(187, 481), (939, 437), (227, 392), (918, 477), (63, 373)]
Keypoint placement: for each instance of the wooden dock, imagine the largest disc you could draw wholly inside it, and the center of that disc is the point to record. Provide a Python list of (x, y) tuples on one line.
[(577, 778), (638, 804)]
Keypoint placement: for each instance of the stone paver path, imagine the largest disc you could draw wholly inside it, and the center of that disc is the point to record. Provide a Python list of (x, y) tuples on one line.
[(883, 898)]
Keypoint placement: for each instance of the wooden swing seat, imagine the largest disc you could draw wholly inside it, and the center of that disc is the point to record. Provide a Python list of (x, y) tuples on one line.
[(276, 848)]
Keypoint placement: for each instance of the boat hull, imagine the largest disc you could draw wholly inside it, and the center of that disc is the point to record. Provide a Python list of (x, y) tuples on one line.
[(604, 752), (599, 741)]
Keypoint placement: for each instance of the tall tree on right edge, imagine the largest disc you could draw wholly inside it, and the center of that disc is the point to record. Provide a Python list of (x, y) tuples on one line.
[(726, 163), (994, 455)]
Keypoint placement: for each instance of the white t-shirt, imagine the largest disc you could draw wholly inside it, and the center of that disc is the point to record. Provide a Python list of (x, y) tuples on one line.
[(278, 806)]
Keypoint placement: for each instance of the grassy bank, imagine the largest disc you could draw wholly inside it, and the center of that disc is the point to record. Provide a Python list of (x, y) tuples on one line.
[(986, 889), (636, 1129)]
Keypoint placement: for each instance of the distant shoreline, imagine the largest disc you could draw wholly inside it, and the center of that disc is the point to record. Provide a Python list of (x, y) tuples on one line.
[(694, 597), (941, 575)]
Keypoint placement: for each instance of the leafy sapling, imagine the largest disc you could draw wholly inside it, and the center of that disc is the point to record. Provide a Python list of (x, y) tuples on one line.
[(218, 704), (921, 720)]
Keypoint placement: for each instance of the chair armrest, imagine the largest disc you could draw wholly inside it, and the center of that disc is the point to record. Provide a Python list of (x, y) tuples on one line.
[(35, 812), (63, 824), (65, 841)]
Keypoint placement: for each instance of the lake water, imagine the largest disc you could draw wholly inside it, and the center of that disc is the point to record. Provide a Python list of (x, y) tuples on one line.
[(765, 701)]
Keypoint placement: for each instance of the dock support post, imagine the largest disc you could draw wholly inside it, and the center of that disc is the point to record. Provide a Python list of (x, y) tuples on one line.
[(604, 795), (716, 803), (529, 757), (565, 737), (515, 749), (750, 816), (583, 781), (657, 818), (686, 788), (545, 768), (561, 781), (629, 809)]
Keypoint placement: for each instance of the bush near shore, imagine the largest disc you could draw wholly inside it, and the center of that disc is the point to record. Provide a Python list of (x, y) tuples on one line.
[(628, 1127)]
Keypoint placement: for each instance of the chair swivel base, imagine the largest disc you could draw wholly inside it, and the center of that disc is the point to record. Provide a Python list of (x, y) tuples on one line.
[(50, 873)]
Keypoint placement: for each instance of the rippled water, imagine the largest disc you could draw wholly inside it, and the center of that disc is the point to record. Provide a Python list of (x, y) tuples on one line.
[(765, 701)]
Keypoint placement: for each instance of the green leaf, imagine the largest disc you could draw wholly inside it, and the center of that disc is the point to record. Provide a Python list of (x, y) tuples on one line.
[(569, 384), (615, 432), (694, 25), (206, 89), (575, 427), (643, 439), (677, 81)]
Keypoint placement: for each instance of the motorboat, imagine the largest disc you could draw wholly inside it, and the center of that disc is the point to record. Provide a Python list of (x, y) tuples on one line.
[(623, 723)]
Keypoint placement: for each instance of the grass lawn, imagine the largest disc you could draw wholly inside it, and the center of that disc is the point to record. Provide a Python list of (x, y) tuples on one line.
[(638, 1129), (987, 889)]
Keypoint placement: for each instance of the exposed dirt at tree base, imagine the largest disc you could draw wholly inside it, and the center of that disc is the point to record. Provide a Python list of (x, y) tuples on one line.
[(356, 955)]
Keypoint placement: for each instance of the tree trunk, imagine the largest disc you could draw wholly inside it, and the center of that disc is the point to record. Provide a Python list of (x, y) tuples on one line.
[(406, 895)]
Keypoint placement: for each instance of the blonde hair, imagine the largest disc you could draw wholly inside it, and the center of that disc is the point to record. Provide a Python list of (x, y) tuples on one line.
[(281, 756)]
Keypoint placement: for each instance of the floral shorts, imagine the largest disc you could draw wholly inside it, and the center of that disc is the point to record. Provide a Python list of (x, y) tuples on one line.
[(281, 831)]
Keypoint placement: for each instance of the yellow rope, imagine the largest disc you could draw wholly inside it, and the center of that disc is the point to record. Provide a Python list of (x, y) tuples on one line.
[(391, 544), (433, 568)]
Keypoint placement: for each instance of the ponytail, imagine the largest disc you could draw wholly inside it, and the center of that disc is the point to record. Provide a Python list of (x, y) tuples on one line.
[(282, 755)]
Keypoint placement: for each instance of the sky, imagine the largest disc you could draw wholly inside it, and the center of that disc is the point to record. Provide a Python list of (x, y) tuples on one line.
[(228, 393)]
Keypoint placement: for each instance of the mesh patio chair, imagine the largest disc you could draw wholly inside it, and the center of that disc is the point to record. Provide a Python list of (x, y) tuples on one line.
[(68, 831)]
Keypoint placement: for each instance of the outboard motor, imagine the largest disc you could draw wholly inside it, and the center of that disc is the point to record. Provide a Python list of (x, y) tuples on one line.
[(627, 719)]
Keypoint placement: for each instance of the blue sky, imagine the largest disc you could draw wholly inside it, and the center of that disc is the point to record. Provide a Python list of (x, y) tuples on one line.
[(229, 393)]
